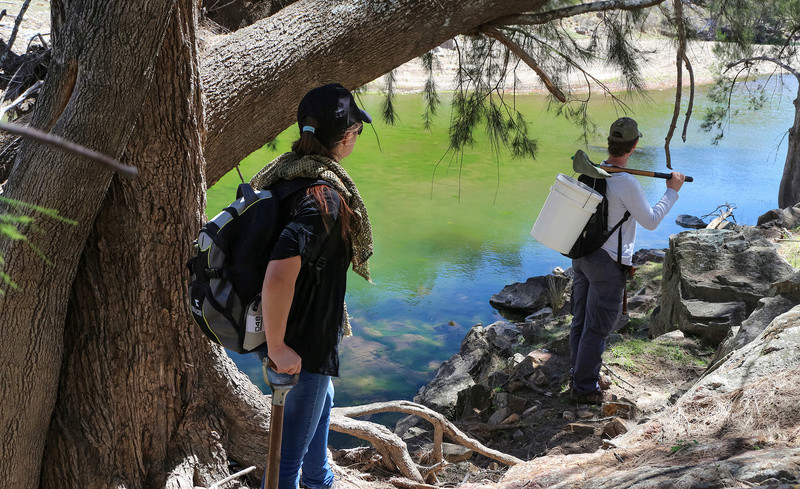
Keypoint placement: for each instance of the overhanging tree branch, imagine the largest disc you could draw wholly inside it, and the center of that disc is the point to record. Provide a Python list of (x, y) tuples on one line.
[(680, 56), (778, 62), (254, 75), (691, 96), (528, 59), (563, 13)]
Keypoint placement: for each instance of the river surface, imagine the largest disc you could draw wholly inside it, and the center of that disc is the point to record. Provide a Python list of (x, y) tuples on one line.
[(447, 237)]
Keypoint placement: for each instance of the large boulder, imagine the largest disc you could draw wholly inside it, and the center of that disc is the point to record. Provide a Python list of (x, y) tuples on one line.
[(528, 297), (713, 279), (478, 357), (788, 218), (773, 353), (768, 309)]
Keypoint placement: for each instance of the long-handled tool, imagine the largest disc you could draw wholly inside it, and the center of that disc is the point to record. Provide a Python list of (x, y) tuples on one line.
[(582, 164), (280, 384)]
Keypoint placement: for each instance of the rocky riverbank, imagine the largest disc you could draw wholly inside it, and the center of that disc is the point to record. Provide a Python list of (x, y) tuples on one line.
[(701, 367)]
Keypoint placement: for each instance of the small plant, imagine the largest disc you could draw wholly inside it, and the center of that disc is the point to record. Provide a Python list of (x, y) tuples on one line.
[(681, 444), (556, 292)]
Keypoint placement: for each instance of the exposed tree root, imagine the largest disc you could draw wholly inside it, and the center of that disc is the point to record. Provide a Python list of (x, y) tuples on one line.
[(394, 450)]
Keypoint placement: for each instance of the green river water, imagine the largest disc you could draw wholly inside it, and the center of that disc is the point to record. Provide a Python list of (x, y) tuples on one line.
[(448, 237)]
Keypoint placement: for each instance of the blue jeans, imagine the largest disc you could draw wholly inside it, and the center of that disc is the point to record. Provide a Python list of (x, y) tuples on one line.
[(597, 289), (306, 419)]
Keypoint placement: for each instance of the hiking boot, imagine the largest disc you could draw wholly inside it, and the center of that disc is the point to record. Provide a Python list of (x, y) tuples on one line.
[(595, 398)]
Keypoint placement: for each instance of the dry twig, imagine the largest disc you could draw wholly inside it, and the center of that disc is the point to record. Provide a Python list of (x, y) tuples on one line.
[(231, 477), (70, 147)]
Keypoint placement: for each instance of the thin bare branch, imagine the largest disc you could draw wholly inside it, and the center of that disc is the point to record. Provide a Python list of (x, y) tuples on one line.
[(70, 147), (15, 103), (231, 477), (691, 96), (679, 80), (765, 58), (562, 13), (13, 37), (528, 59)]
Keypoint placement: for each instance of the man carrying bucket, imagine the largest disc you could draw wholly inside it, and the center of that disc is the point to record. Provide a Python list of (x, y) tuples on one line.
[(599, 281)]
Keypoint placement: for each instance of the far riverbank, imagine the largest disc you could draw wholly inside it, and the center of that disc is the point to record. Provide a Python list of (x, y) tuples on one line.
[(658, 71)]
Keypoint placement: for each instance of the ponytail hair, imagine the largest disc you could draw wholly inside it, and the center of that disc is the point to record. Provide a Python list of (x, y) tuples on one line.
[(308, 143)]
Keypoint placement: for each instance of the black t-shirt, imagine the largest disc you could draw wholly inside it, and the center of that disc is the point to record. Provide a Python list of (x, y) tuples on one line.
[(314, 326)]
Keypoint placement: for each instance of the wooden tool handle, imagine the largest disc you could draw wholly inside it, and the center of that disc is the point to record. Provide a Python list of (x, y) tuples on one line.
[(642, 173)]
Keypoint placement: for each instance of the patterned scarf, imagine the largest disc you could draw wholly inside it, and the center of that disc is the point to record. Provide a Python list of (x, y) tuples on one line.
[(290, 165)]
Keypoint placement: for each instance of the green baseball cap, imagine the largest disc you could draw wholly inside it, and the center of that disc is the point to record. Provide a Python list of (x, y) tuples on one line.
[(624, 130)]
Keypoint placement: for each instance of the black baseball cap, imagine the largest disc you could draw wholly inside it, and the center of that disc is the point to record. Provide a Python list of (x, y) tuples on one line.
[(334, 109), (624, 130)]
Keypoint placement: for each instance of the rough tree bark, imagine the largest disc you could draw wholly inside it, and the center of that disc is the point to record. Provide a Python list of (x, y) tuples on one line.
[(789, 190), (101, 62)]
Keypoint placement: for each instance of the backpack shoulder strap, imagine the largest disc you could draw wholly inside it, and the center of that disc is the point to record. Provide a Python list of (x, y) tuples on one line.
[(619, 242)]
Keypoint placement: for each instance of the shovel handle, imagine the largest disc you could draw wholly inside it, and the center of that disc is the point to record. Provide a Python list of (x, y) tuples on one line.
[(643, 173)]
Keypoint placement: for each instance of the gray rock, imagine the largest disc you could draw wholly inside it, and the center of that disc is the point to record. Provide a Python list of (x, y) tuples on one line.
[(774, 353), (472, 364), (473, 400), (527, 297), (540, 314), (788, 218), (768, 309), (514, 403), (789, 287), (671, 336), (503, 336), (641, 302), (715, 266), (691, 222), (645, 255), (455, 453), (497, 379), (405, 423), (711, 320), (498, 416)]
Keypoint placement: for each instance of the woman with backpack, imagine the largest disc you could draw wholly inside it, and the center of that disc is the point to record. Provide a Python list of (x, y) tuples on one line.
[(325, 229)]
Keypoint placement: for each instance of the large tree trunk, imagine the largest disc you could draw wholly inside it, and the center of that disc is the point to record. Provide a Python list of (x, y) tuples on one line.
[(143, 398), (99, 72), (789, 191)]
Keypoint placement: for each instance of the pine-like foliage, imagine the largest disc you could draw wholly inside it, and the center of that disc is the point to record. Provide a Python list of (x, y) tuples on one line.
[(757, 38), (16, 227)]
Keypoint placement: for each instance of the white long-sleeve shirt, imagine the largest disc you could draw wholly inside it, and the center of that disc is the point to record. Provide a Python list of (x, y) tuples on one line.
[(624, 192)]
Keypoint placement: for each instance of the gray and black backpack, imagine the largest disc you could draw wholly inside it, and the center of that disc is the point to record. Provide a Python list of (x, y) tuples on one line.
[(230, 259)]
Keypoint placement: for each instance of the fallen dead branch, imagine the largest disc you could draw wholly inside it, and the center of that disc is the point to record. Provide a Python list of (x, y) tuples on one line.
[(407, 484)]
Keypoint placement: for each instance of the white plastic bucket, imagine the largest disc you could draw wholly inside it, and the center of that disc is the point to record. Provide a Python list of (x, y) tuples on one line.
[(565, 213)]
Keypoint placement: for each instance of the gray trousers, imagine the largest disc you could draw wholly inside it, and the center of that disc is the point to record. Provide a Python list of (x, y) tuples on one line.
[(597, 289)]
